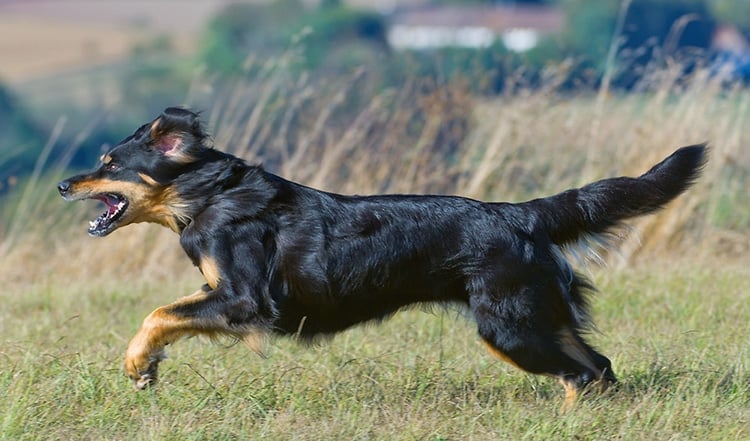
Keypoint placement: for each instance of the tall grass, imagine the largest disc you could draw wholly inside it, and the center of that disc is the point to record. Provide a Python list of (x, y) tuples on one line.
[(677, 327), (433, 138)]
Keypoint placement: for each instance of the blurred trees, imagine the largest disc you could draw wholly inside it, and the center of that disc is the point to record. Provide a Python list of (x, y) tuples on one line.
[(736, 12), (19, 136), (652, 34), (243, 33), (337, 39)]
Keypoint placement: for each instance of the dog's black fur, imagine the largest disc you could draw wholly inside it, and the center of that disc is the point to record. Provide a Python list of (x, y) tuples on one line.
[(283, 258)]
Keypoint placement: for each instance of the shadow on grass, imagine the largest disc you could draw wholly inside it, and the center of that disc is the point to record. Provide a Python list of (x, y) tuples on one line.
[(672, 381)]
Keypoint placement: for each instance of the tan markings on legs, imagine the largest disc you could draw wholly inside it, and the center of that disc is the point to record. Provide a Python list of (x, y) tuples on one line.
[(571, 395), (573, 349), (499, 354), (210, 270), (160, 328), (255, 340), (573, 392)]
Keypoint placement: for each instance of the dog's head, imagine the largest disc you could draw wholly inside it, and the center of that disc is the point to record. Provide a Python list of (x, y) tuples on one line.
[(134, 179)]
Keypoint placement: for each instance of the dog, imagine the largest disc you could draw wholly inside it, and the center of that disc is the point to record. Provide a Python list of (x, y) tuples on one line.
[(280, 258)]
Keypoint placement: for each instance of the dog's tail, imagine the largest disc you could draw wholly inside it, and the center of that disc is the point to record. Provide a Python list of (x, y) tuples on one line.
[(597, 207)]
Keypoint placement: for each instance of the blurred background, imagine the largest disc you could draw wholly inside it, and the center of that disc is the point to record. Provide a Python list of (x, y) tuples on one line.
[(503, 100)]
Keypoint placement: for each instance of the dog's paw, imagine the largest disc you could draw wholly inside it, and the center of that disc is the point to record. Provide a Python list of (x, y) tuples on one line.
[(144, 380), (142, 368)]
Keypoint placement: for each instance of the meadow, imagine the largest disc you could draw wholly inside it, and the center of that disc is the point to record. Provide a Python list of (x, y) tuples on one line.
[(672, 310)]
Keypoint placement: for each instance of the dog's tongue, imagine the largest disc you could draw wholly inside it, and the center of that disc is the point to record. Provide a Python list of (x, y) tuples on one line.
[(110, 201)]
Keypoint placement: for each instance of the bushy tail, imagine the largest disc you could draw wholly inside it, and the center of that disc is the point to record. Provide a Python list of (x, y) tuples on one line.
[(601, 205)]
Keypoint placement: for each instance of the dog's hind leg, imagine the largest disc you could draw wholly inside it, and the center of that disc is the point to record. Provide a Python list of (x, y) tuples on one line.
[(573, 345), (534, 341)]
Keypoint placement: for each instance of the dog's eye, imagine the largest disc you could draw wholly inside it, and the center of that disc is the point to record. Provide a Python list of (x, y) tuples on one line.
[(112, 167)]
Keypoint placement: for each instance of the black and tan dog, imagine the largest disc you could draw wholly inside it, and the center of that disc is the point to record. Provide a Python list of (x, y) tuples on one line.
[(282, 258)]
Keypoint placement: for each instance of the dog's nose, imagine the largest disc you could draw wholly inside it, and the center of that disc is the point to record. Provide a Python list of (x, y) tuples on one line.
[(63, 187)]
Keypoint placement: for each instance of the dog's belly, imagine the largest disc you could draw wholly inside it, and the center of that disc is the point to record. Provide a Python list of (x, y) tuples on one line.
[(312, 315)]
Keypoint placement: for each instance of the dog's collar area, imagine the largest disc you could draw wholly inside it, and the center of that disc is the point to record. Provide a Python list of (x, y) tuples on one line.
[(104, 223)]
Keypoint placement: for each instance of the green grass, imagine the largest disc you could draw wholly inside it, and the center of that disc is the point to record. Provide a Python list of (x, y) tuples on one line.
[(678, 338)]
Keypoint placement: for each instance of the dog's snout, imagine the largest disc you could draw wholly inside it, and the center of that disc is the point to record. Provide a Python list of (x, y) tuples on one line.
[(63, 187)]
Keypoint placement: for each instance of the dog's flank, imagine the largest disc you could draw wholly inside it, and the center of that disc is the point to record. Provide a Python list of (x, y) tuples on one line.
[(282, 258)]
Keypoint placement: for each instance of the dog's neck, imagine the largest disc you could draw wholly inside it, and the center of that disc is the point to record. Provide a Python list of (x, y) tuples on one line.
[(221, 188)]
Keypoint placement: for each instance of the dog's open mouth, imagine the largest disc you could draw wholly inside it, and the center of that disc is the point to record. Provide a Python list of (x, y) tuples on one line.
[(105, 223)]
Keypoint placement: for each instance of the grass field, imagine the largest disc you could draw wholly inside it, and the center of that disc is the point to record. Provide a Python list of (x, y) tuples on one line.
[(673, 308), (678, 336)]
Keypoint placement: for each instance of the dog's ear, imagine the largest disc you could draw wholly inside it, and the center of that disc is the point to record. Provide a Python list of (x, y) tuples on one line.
[(166, 142), (176, 133)]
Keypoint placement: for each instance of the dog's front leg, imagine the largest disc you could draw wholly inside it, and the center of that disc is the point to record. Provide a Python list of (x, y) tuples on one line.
[(144, 353), (166, 325)]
